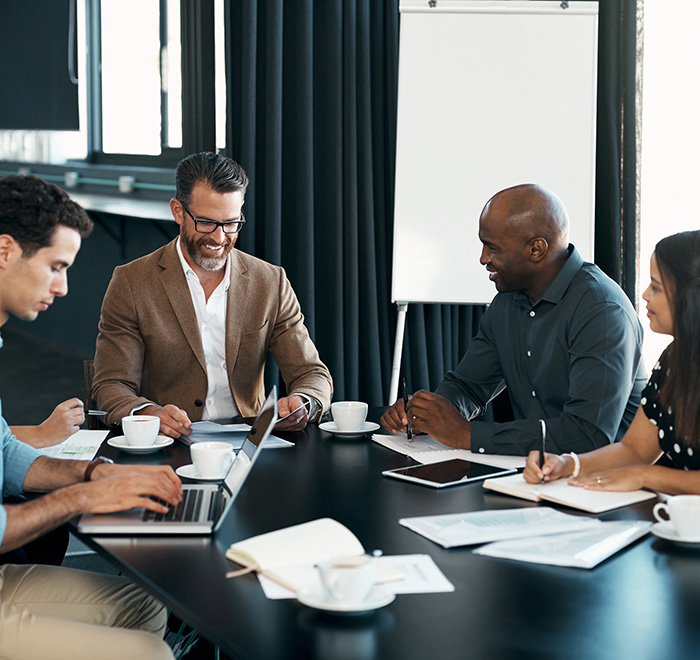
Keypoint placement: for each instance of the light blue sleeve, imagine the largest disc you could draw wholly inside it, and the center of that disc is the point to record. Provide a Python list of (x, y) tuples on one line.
[(15, 459)]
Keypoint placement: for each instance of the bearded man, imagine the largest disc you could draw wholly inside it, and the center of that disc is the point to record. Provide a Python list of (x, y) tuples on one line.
[(185, 331)]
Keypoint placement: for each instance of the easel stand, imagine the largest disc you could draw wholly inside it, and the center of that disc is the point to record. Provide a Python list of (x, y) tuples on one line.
[(402, 309)]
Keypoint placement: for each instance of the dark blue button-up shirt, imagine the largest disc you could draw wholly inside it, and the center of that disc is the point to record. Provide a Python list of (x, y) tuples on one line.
[(573, 359)]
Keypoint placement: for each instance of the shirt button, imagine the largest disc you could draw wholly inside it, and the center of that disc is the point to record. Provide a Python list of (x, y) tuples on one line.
[(533, 393), (481, 450), (209, 402), (532, 313), (529, 354)]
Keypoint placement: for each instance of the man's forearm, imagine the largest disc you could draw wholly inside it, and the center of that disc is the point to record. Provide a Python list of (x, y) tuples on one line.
[(46, 474), (30, 520)]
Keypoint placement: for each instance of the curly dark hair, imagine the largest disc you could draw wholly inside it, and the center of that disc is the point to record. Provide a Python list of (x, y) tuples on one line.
[(31, 209), (220, 173), (678, 259)]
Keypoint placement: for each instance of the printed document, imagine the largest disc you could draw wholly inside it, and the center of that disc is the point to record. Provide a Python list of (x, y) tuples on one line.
[(81, 446)]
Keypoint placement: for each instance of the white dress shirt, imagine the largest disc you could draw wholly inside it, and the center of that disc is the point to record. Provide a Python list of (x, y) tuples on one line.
[(211, 318)]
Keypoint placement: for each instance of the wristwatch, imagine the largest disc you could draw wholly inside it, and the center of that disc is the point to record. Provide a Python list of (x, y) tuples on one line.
[(315, 407), (93, 464)]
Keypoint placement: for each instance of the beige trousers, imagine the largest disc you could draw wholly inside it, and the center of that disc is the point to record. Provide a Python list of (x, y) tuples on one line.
[(49, 612)]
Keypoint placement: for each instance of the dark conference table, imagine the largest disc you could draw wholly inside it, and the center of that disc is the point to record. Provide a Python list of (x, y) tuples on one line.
[(643, 603)]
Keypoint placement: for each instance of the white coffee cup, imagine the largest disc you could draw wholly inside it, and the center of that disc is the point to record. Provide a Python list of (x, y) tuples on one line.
[(140, 430), (683, 512), (349, 415), (347, 579), (211, 459)]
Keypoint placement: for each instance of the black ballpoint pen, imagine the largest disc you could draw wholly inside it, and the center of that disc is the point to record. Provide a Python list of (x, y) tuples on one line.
[(543, 431), (409, 435)]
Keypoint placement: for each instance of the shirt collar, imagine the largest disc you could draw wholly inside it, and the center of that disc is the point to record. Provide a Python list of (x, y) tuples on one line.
[(189, 273), (556, 290)]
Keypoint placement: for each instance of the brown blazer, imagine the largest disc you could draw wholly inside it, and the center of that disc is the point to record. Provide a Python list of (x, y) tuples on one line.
[(149, 349)]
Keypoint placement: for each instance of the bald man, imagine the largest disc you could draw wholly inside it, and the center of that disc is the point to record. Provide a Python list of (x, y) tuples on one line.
[(560, 335)]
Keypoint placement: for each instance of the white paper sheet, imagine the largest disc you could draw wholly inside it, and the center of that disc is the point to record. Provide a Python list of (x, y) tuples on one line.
[(426, 449), (474, 527), (81, 446), (234, 434), (584, 549), (421, 575)]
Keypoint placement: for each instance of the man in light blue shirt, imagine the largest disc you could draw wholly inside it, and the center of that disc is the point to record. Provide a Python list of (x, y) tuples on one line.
[(49, 611)]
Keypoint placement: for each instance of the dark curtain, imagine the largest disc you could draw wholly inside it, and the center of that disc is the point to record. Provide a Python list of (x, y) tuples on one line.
[(312, 119), (618, 134)]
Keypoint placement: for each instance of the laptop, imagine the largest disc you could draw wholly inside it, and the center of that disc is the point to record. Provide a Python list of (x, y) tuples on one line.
[(204, 506)]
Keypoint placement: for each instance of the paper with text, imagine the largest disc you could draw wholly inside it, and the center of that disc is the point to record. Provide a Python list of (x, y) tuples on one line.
[(81, 446)]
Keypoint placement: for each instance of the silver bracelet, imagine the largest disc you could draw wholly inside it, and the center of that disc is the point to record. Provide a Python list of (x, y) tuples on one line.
[(577, 464)]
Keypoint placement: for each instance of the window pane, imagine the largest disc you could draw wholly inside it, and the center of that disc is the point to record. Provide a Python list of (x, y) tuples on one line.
[(172, 74), (131, 80), (670, 138)]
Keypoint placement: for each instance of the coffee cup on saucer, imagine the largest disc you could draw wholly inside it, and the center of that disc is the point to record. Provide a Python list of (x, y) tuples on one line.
[(211, 459), (349, 415), (683, 513), (347, 579), (140, 430)]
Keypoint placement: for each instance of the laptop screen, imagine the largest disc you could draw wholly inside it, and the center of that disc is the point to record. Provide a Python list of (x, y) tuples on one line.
[(259, 432)]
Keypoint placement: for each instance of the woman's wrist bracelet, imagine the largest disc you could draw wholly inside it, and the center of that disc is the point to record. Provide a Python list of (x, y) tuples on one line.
[(577, 464)]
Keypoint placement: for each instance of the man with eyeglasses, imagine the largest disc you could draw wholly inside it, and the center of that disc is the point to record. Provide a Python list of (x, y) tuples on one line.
[(185, 331)]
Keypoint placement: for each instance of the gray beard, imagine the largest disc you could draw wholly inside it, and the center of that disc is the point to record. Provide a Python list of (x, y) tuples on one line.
[(207, 263)]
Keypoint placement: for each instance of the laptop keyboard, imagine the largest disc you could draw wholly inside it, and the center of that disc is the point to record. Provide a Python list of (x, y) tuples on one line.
[(187, 511)]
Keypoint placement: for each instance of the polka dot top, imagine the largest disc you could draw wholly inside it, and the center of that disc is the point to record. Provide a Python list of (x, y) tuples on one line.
[(682, 456)]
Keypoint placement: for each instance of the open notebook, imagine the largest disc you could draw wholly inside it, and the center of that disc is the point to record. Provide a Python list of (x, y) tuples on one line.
[(204, 506)]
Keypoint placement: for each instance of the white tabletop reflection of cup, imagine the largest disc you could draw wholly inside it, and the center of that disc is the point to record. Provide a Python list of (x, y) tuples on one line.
[(347, 579), (211, 459), (349, 415), (140, 430), (683, 512)]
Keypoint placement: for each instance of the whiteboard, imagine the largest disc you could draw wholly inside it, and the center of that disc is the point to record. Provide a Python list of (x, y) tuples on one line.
[(491, 94)]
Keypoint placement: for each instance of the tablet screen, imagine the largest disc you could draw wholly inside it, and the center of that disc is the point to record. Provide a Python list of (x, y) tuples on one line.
[(447, 473)]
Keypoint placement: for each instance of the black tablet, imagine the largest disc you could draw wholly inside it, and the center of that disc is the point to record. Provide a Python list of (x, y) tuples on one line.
[(447, 473)]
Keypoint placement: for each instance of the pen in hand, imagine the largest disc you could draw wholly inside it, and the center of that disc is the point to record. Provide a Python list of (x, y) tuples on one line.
[(409, 434), (543, 431)]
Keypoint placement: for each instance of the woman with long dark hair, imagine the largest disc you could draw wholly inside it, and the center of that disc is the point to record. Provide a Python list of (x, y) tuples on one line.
[(668, 419)]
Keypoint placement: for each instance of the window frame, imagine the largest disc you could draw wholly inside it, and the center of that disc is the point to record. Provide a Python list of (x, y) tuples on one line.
[(198, 87)]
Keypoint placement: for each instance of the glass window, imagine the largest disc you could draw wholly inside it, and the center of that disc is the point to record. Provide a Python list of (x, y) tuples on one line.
[(130, 76), (137, 74), (670, 140)]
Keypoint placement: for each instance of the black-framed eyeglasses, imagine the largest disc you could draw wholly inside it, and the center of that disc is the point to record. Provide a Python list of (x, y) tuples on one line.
[(210, 226)]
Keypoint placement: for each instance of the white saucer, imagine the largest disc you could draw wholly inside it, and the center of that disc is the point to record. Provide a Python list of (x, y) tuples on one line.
[(189, 472), (120, 443), (331, 427), (665, 530), (378, 597)]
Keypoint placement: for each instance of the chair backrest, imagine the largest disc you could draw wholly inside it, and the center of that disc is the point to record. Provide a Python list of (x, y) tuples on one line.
[(94, 423)]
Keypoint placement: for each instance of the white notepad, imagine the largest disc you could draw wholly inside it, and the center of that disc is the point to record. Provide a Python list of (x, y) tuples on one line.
[(560, 492)]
